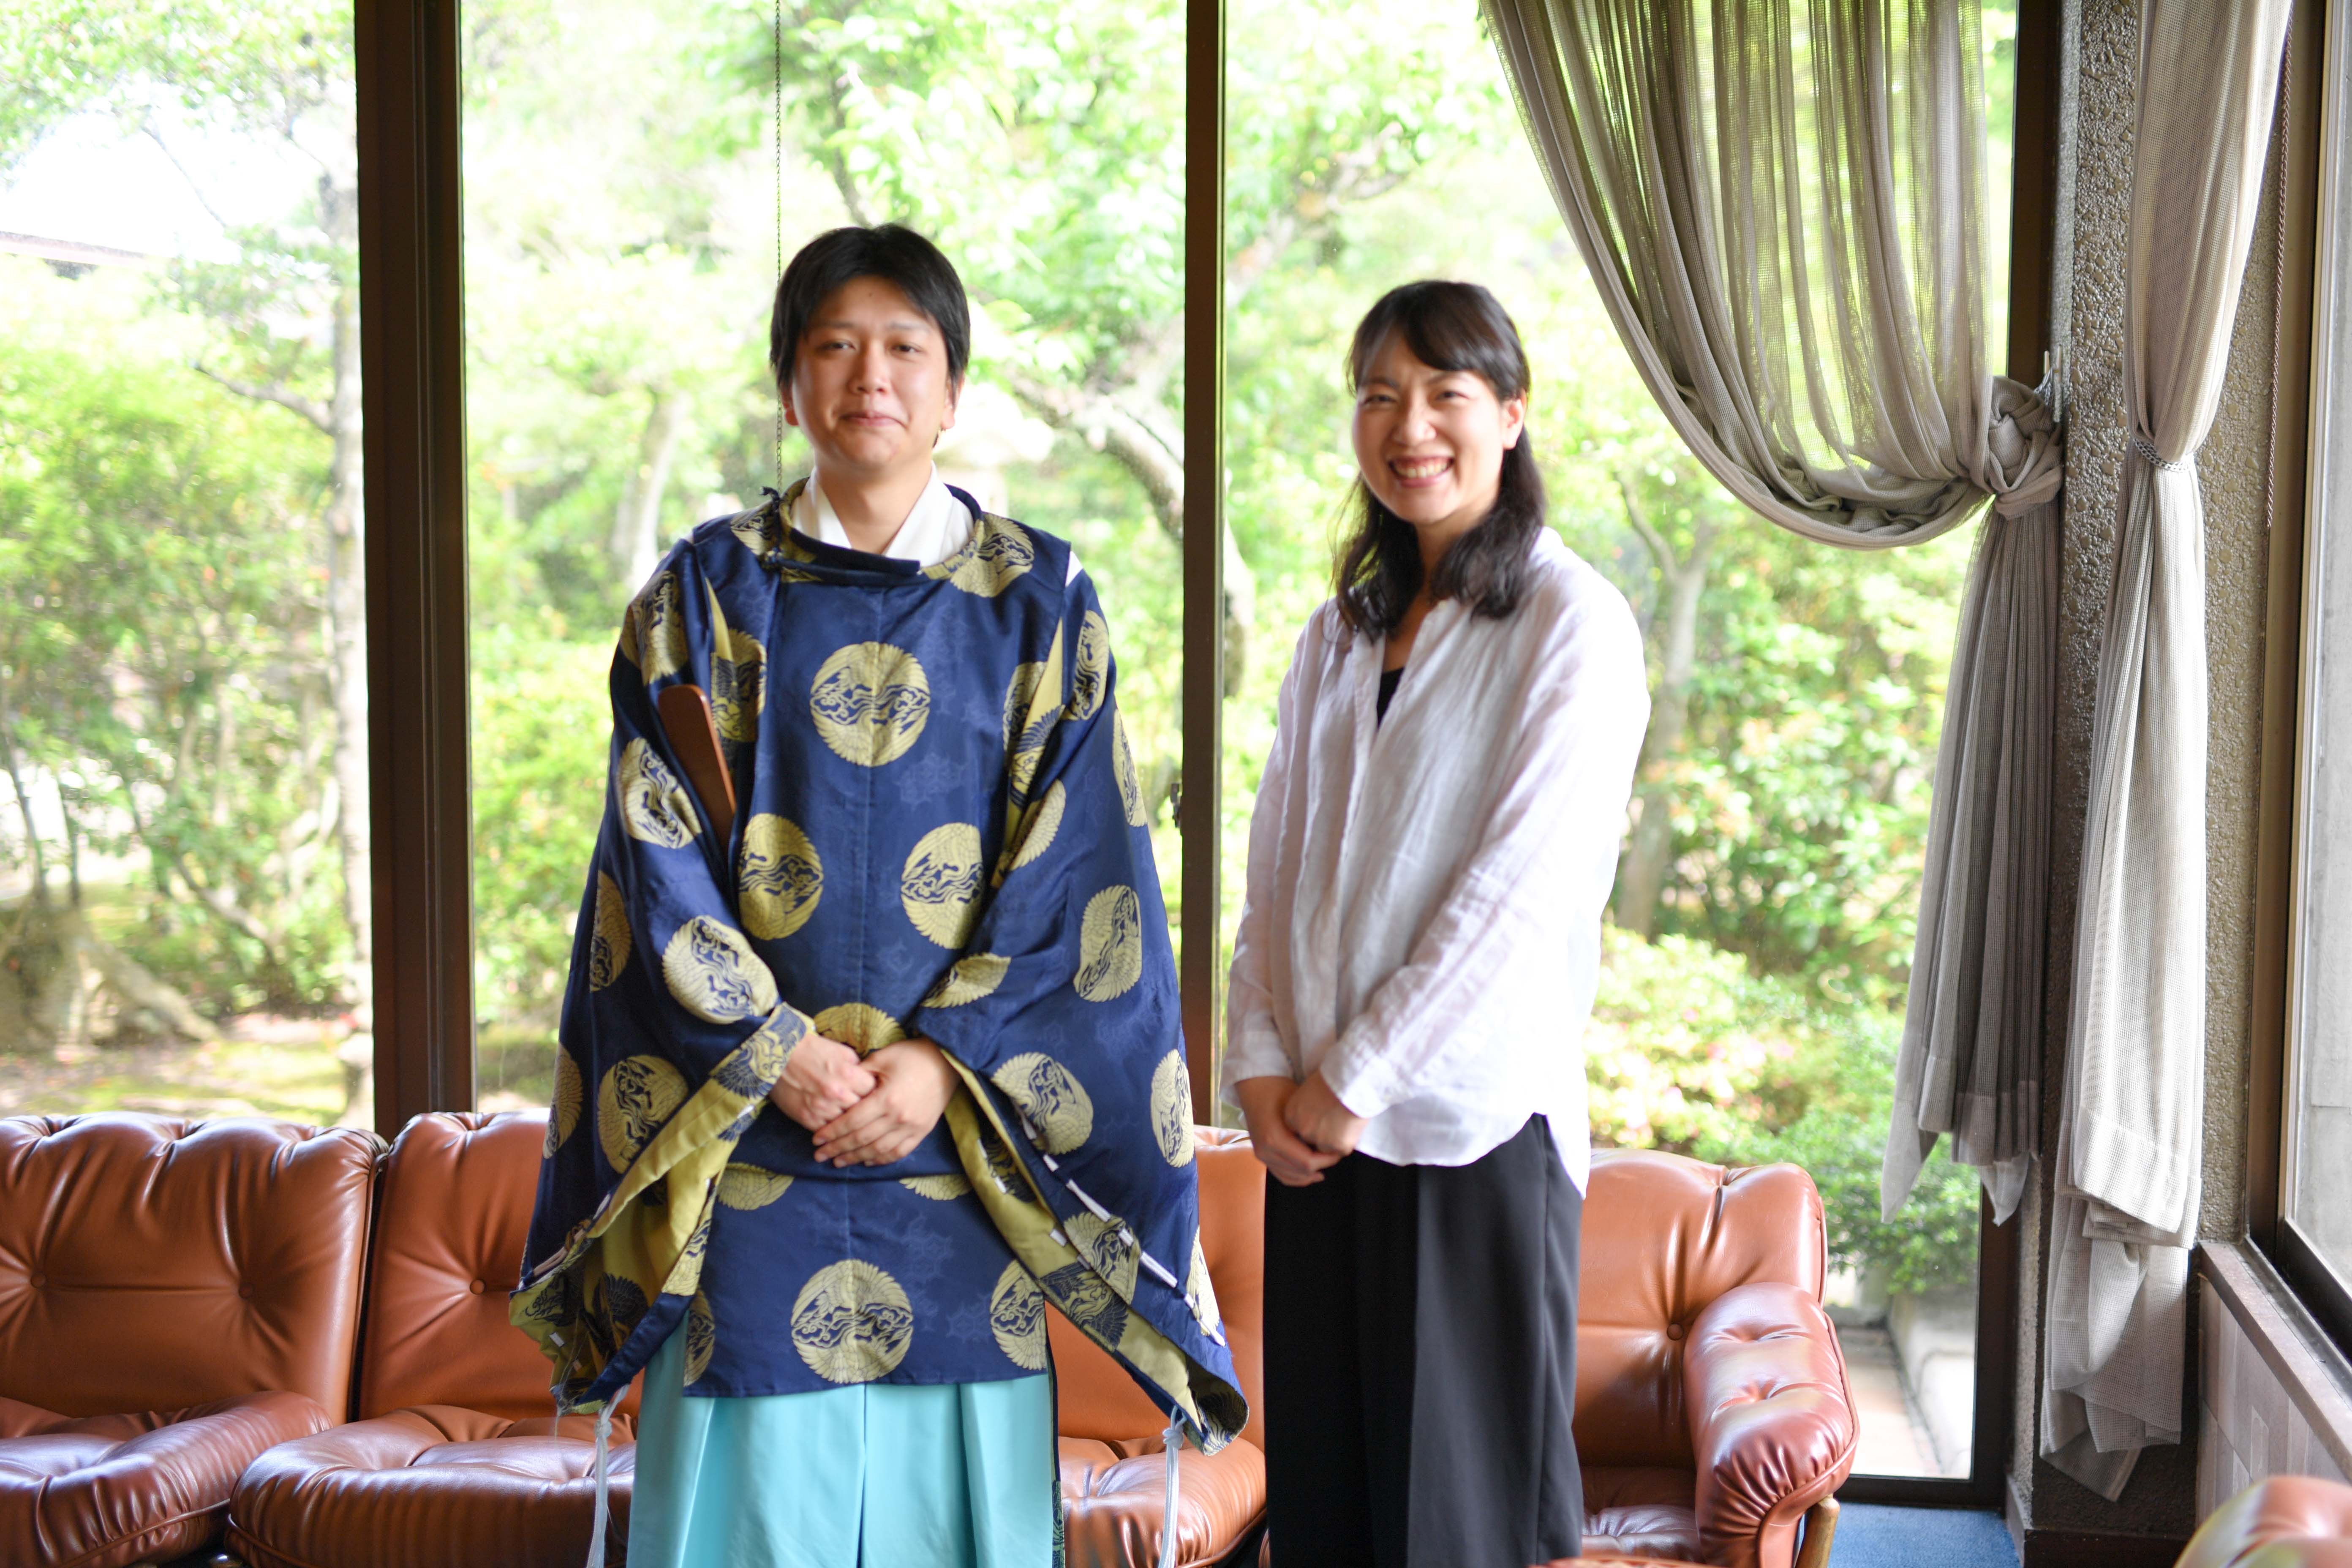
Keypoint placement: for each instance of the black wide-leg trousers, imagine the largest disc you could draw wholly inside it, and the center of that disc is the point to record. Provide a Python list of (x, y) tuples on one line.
[(1421, 1362)]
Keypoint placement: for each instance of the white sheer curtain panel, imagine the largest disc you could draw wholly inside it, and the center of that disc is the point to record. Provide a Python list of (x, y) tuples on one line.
[(1781, 202), (2131, 1143)]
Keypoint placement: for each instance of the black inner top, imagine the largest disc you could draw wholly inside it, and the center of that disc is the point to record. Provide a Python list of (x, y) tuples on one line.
[(1389, 679)]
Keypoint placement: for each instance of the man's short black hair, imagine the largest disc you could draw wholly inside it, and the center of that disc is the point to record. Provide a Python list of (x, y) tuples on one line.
[(897, 256)]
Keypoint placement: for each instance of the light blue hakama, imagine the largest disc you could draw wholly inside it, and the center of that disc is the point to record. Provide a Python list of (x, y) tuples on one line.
[(877, 1475)]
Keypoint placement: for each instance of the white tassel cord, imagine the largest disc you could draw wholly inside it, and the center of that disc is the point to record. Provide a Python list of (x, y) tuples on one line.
[(1172, 1443), (604, 1451)]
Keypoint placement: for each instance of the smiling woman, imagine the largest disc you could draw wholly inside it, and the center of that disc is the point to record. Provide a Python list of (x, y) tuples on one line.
[(1448, 498), (1415, 963)]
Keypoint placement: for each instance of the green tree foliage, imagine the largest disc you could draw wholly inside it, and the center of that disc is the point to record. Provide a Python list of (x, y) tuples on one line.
[(162, 631), (623, 228)]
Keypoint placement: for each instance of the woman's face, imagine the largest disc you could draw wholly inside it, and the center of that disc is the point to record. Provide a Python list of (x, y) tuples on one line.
[(1431, 442), (870, 383)]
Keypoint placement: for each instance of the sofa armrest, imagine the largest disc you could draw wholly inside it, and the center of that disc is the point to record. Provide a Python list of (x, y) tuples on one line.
[(1772, 1425), (2309, 1519)]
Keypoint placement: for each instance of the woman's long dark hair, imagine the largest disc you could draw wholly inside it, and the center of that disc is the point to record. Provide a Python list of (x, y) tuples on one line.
[(1448, 326)]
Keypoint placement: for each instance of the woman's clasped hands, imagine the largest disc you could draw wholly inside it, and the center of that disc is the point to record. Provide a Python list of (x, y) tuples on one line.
[(1298, 1129), (864, 1112)]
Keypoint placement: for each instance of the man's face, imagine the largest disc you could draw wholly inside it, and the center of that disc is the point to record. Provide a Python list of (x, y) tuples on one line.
[(870, 384)]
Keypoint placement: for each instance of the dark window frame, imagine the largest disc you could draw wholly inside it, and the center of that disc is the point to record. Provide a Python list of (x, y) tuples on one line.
[(2310, 79), (411, 315)]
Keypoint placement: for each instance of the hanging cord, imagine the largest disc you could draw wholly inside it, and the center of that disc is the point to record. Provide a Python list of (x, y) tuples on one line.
[(1172, 1443), (778, 37), (604, 1478)]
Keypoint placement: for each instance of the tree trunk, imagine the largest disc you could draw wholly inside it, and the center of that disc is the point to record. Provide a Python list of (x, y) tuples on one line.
[(9, 760), (1642, 879), (637, 524), (1151, 450)]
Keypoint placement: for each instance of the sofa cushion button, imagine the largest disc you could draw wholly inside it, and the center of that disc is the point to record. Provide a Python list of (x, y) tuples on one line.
[(1673, 1330), (39, 1280), (246, 1291), (475, 1287)]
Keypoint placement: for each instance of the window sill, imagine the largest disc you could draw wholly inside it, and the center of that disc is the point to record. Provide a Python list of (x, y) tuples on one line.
[(2307, 1363)]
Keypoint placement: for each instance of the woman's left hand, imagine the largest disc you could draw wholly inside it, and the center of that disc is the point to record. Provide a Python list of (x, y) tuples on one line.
[(1315, 1116), (914, 1084)]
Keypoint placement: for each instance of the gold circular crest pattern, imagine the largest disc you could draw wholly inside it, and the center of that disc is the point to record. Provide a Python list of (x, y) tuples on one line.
[(701, 1337), (865, 1029), (1055, 1102), (1000, 553), (743, 1186), (939, 1189), (738, 688), (1110, 945), (1004, 1167), (1090, 678), (638, 1094), (563, 1105), (759, 530), (661, 628), (1020, 702), (685, 1274), (1108, 1250), (1201, 1291), (1171, 1109), (851, 1323), (870, 702), (765, 1052), (1122, 766), (779, 875), (715, 975), (653, 806), (1016, 1316), (608, 944), (974, 975), (941, 885), (1043, 821)]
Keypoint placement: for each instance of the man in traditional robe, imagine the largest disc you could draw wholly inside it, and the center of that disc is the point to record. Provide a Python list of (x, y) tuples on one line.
[(844, 1096)]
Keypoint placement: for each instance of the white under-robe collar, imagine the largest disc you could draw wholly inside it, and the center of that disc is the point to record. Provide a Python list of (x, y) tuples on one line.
[(937, 527)]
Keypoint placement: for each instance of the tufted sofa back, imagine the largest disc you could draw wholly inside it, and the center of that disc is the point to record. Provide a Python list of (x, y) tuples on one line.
[(1664, 1236), (457, 1189), (151, 1264), (1097, 1397)]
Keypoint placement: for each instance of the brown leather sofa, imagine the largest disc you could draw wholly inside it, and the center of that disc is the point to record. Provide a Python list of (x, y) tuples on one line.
[(227, 1255), (1713, 1420), (456, 1458), (1712, 1411), (1114, 1473), (2287, 1522)]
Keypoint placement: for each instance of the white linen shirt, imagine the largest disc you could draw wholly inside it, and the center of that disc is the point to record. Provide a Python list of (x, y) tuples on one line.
[(1422, 922)]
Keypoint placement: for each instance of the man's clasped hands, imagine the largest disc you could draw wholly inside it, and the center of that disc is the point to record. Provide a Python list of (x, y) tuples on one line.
[(869, 1110), (872, 1111)]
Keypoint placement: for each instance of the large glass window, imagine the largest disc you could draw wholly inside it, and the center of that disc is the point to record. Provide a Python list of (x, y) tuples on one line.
[(1759, 940), (632, 176), (183, 777), (2316, 1167)]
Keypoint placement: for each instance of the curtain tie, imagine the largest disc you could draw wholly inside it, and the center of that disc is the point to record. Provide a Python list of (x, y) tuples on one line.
[(2156, 459)]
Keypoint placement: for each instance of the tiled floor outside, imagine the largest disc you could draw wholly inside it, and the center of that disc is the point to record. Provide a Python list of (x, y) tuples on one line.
[(1896, 1436)]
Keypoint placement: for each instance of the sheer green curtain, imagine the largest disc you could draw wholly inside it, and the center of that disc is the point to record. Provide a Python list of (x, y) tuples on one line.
[(1781, 207)]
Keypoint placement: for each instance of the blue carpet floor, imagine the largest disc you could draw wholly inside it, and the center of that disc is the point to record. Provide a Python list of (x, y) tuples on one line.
[(1873, 1535)]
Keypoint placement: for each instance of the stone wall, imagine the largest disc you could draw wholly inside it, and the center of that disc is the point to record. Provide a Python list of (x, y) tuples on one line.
[(2099, 75)]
